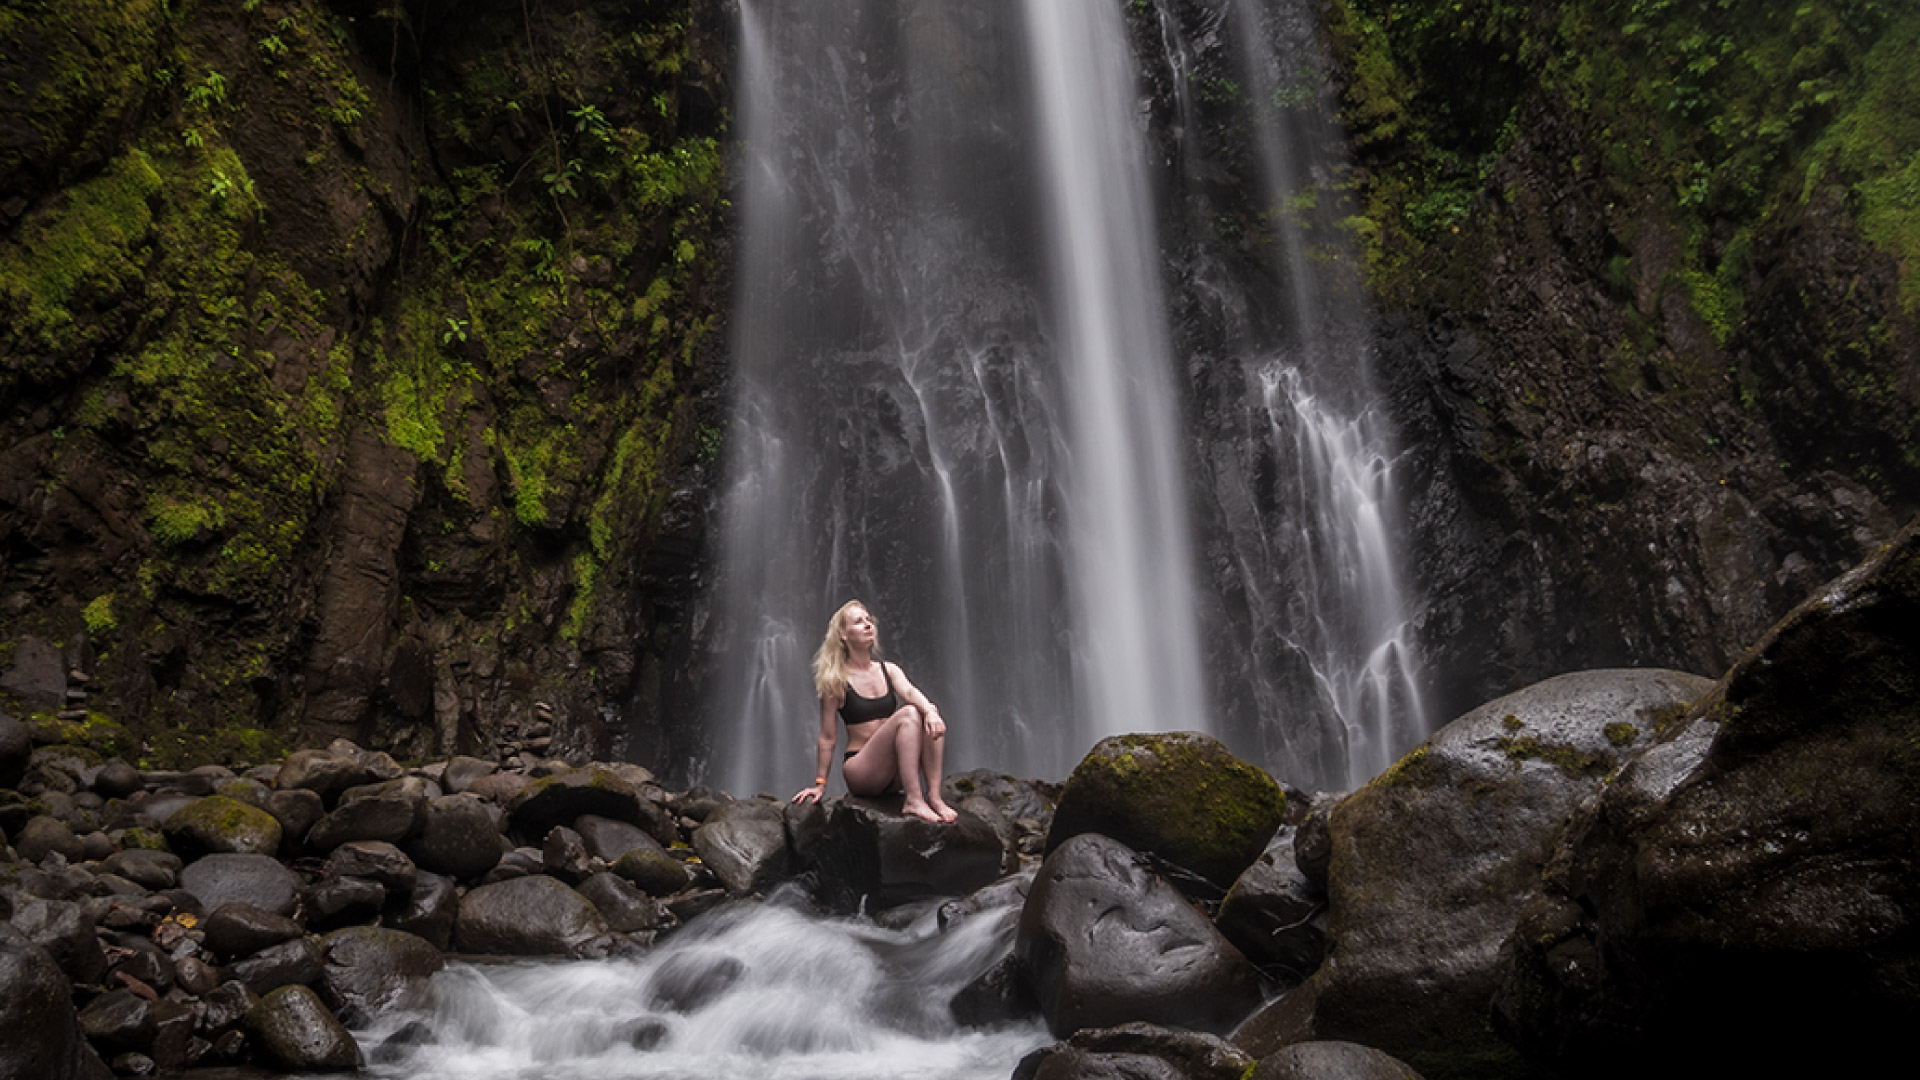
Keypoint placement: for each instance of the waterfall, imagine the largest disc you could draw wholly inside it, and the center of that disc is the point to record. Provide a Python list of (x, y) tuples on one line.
[(951, 393)]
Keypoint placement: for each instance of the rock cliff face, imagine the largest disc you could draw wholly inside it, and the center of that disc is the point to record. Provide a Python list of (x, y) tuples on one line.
[(356, 366)]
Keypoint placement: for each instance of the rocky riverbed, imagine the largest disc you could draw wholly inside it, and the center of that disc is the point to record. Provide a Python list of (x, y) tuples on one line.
[(1593, 873)]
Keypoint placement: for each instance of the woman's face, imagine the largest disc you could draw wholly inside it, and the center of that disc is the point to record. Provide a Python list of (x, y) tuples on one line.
[(856, 627)]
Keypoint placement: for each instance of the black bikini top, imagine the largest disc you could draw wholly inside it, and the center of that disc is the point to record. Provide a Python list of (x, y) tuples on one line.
[(855, 709)]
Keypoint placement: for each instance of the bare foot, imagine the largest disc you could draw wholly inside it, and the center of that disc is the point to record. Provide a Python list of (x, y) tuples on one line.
[(947, 813), (918, 808)]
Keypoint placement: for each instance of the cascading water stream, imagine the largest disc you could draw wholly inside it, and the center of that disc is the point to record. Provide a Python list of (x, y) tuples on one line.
[(756, 990), (973, 432)]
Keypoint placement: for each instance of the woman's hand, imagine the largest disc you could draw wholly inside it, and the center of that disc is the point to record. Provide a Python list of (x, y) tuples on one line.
[(936, 727), (812, 794)]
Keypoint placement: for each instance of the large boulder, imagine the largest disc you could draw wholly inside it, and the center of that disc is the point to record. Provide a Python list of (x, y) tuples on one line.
[(248, 879), (391, 818), (526, 916), (427, 911), (865, 852), (217, 825), (1136, 1052), (321, 772), (370, 969), (1180, 798), (456, 838), (1275, 916), (239, 929), (1433, 862), (297, 1032), (66, 931), (1103, 940), (564, 796), (608, 839), (39, 1032), (744, 843), (1747, 892)]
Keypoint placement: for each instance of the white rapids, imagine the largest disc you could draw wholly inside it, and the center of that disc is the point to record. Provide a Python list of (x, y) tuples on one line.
[(813, 999)]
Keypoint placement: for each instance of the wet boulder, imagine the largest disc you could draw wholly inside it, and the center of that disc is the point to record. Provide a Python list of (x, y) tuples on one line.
[(1136, 1052), (16, 750), (461, 772), (1103, 940), (217, 825), (564, 796), (427, 911), (391, 818), (997, 995), (290, 963), (1746, 892), (564, 855), (1332, 1061), (40, 1035), (370, 969), (687, 981), (527, 916), (745, 844), (119, 1020), (236, 930), (1180, 798), (1435, 859), (869, 853), (608, 839), (297, 810), (117, 780), (296, 1031), (457, 838), (373, 860), (248, 879), (653, 872), (1275, 916), (323, 773), (42, 836), (149, 869), (626, 908), (66, 931)]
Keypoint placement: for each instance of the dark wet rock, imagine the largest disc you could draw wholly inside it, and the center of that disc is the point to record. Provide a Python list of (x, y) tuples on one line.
[(297, 810), (1332, 1061), (564, 855), (218, 825), (16, 750), (745, 844), (40, 1036), (333, 902), (499, 788), (653, 872), (564, 796), (117, 780), (66, 931), (118, 1020), (95, 847), (405, 787), (647, 1033), (1313, 840), (998, 995), (43, 836), (196, 976), (1434, 860), (248, 879), (173, 1024), (1181, 798), (1105, 941), (1136, 1052), (1015, 799), (608, 839), (391, 818), (1275, 916), (400, 1045), (231, 1047), (371, 969), (457, 838), (697, 802), (143, 960), (529, 916), (1006, 896), (461, 772), (241, 929), (688, 906), (428, 911), (870, 852), (320, 772), (374, 860), (295, 1031), (688, 981), (1746, 894), (252, 792), (626, 908), (225, 1006), (131, 1064), (518, 863), (290, 963), (378, 763)]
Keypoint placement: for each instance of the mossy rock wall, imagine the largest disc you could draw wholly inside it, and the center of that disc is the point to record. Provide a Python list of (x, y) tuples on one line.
[(351, 356)]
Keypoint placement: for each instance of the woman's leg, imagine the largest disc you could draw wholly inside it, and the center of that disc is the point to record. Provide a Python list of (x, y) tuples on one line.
[(893, 752), (933, 753)]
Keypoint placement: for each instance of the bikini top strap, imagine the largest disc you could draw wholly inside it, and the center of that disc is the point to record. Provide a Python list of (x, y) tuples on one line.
[(888, 676)]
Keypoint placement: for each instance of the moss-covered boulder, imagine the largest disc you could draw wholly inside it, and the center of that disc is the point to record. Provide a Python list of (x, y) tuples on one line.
[(217, 825), (1181, 798), (1433, 862), (654, 872), (1748, 890), (564, 796)]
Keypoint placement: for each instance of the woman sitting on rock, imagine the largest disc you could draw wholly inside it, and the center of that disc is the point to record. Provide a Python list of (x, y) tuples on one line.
[(894, 734)]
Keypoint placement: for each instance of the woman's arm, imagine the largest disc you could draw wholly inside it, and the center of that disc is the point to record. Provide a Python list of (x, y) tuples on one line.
[(936, 725), (823, 753)]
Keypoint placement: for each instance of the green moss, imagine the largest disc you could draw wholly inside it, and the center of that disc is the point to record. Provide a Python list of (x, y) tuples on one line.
[(90, 242), (99, 734), (1511, 722), (1574, 762), (1622, 734), (99, 617), (137, 839), (1411, 769)]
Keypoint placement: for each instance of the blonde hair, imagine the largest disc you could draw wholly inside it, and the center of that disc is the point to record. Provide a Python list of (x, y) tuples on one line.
[(830, 663)]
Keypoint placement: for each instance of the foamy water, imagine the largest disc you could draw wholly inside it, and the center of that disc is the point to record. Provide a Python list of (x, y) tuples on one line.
[(833, 999)]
